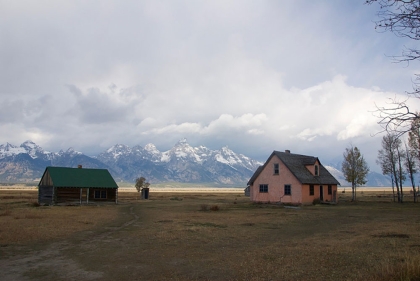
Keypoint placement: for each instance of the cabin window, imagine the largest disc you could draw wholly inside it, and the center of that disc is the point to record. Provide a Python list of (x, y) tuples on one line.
[(276, 168), (263, 188), (329, 189), (100, 194), (287, 189), (316, 170), (311, 190)]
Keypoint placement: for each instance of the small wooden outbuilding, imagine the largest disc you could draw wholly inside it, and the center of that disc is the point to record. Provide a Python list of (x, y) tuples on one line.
[(76, 185)]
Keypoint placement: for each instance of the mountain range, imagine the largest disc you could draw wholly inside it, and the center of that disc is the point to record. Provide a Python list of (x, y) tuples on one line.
[(182, 163)]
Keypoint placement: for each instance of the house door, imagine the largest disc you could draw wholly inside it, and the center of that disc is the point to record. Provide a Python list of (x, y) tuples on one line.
[(321, 193)]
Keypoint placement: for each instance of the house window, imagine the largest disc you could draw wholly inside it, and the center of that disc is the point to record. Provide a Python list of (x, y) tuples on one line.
[(276, 168), (263, 188), (311, 190), (329, 189), (287, 189), (100, 194), (316, 170)]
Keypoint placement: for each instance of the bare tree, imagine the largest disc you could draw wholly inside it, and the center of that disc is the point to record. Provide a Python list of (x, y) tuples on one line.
[(386, 161), (410, 165), (354, 168), (390, 158), (396, 118), (414, 146), (401, 17), (414, 138)]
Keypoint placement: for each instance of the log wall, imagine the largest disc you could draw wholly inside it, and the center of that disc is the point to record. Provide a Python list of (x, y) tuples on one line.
[(67, 195), (45, 194)]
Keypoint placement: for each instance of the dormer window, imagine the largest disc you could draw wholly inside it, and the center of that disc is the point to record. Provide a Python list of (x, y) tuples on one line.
[(276, 168), (316, 170)]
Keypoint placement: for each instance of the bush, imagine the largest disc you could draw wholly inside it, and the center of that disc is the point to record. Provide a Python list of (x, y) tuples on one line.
[(214, 208), (35, 204), (316, 201)]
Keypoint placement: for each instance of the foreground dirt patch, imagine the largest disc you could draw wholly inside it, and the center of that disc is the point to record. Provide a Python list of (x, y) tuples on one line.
[(179, 237)]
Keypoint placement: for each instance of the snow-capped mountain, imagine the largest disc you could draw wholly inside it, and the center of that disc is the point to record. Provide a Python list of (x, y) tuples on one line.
[(27, 162), (181, 163), (28, 147)]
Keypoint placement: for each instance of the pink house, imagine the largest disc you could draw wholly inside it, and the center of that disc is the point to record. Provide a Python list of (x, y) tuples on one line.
[(292, 178)]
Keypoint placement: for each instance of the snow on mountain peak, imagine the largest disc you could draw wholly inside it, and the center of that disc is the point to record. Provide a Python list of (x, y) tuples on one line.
[(72, 151), (118, 149), (183, 150), (28, 147), (150, 147), (9, 150)]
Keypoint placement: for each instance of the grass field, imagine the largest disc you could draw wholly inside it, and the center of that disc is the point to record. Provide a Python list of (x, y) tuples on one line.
[(208, 236)]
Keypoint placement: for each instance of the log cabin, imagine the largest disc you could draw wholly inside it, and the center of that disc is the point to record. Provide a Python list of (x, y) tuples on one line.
[(62, 185)]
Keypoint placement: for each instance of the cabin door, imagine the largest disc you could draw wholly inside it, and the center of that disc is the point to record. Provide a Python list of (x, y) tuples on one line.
[(321, 193)]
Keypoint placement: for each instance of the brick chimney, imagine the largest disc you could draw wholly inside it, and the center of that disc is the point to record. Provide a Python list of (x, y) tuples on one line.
[(287, 151), (79, 166)]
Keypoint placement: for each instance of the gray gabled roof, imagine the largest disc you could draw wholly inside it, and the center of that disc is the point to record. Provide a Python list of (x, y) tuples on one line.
[(255, 175), (297, 163)]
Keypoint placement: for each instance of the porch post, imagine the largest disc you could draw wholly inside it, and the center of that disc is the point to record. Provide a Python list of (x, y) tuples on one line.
[(87, 196), (116, 196), (81, 190)]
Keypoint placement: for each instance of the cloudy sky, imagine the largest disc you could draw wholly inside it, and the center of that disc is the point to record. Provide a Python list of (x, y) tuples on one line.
[(256, 76)]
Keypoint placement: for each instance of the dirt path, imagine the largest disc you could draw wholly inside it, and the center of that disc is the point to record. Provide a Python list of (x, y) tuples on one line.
[(49, 261)]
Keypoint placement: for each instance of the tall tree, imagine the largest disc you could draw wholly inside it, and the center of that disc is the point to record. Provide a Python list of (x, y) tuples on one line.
[(390, 158), (410, 165), (355, 168), (386, 161), (414, 138), (401, 17), (414, 146)]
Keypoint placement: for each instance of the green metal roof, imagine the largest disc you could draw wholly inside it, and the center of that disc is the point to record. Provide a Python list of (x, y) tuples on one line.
[(80, 177)]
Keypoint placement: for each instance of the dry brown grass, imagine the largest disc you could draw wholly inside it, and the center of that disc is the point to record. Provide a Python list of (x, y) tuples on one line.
[(173, 239), (402, 269), (22, 222)]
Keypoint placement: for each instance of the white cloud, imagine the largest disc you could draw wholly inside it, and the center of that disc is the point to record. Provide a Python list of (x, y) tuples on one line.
[(248, 74)]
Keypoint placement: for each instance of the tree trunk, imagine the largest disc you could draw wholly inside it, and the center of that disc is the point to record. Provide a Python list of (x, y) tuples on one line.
[(401, 176), (393, 190)]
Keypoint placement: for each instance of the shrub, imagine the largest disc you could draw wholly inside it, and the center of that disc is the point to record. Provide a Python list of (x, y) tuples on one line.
[(214, 208), (316, 201), (35, 204)]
